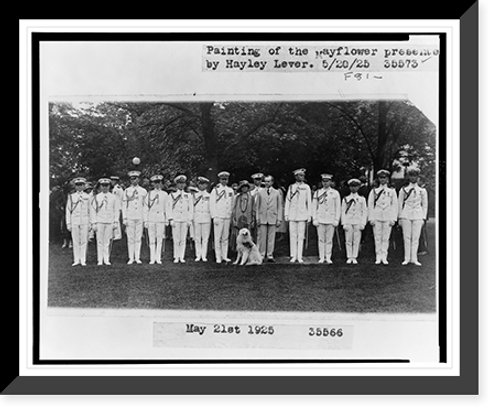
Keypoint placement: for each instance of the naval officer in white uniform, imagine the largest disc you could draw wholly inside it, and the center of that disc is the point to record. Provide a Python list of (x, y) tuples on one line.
[(104, 214), (181, 217), (202, 221), (221, 207), (382, 214), (156, 214), (298, 211), (133, 216), (78, 220), (326, 205), (413, 205), (353, 216)]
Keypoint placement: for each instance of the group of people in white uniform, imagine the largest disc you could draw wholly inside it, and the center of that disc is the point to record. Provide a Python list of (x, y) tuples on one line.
[(197, 211)]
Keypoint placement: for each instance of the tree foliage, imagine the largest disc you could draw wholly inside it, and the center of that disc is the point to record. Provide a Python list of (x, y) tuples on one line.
[(201, 138)]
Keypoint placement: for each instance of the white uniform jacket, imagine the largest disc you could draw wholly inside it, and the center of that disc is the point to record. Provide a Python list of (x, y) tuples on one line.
[(326, 205), (78, 209), (413, 202), (354, 210), (133, 203), (382, 204), (104, 208), (157, 206), (201, 207), (298, 204), (221, 202), (182, 206)]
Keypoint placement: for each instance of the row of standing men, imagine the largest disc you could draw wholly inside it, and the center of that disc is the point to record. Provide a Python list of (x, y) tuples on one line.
[(262, 209)]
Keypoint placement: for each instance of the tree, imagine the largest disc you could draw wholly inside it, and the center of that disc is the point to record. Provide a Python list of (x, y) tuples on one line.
[(390, 130), (193, 138)]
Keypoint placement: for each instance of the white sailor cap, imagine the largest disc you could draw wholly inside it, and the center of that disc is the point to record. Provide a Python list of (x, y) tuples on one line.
[(328, 176), (104, 181), (202, 179), (257, 176), (180, 178), (223, 174), (354, 182), (79, 181), (114, 178), (134, 174), (156, 178), (297, 171), (413, 170), (383, 172)]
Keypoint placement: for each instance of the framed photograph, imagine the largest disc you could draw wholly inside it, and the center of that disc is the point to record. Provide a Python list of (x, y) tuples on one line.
[(247, 211)]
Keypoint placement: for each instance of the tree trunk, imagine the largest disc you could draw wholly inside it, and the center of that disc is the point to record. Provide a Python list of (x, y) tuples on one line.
[(380, 159), (210, 141)]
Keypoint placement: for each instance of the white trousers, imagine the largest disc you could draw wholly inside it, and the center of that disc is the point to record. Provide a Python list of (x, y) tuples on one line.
[(156, 233), (352, 240), (201, 237), (411, 237), (297, 233), (134, 238), (221, 238), (104, 235), (80, 237), (179, 235), (325, 241), (381, 235), (266, 237)]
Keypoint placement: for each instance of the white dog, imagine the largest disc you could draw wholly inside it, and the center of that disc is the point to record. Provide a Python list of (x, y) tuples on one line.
[(248, 253)]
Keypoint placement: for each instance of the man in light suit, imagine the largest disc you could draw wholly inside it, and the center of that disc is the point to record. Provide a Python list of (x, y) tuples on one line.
[(413, 205), (298, 211), (268, 216)]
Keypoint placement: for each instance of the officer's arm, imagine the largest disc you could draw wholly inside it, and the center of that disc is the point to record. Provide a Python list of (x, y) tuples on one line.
[(309, 204), (116, 209), (425, 203), (370, 205), (337, 209), (365, 211), (93, 211), (68, 213), (394, 206), (314, 207), (191, 208), (212, 203)]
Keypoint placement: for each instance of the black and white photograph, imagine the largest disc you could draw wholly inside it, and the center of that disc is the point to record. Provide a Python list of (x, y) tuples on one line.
[(243, 200)]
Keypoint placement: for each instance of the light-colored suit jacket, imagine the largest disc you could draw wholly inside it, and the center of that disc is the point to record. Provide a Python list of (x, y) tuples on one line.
[(268, 207)]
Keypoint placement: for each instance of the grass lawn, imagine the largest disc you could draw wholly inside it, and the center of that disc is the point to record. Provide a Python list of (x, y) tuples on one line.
[(281, 286)]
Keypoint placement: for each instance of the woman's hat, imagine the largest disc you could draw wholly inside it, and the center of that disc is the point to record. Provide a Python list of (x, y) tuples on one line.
[(242, 184)]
